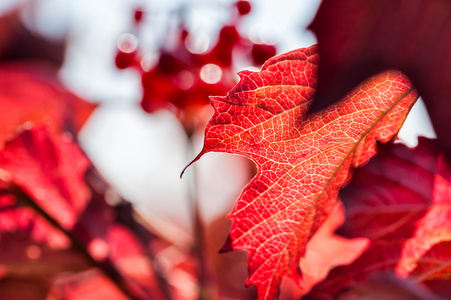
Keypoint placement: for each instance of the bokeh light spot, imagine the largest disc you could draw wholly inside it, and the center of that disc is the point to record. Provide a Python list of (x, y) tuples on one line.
[(197, 43), (211, 73), (33, 252), (185, 80), (148, 61), (268, 34), (98, 248), (127, 43)]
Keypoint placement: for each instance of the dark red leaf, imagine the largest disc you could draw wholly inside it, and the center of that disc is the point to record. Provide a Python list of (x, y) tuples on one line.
[(23, 288), (358, 39), (401, 202), (389, 287)]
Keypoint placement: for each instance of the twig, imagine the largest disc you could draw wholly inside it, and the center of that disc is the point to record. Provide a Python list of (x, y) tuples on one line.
[(126, 216), (199, 247), (106, 267)]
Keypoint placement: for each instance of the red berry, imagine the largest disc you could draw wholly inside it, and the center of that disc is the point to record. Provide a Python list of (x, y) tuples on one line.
[(261, 53), (244, 7), (228, 36), (183, 35), (138, 16), (168, 64), (157, 90), (124, 60)]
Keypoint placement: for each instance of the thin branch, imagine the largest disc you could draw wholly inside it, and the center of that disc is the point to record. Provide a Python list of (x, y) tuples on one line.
[(127, 216), (199, 247), (106, 267)]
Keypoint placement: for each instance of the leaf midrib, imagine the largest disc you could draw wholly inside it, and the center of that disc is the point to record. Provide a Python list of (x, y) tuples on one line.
[(351, 152)]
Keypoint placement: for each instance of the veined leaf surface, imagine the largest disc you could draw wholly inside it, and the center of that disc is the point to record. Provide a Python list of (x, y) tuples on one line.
[(302, 160), (401, 202)]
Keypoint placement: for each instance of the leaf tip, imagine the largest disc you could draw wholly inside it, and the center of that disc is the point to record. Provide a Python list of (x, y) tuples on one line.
[(186, 167), (192, 162), (183, 172)]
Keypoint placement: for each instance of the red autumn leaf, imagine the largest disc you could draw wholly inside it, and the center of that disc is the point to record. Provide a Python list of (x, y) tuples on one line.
[(49, 170), (358, 39), (401, 202), (123, 247), (26, 264), (23, 289), (90, 285), (48, 197), (302, 161), (434, 269), (23, 256), (127, 256), (31, 93)]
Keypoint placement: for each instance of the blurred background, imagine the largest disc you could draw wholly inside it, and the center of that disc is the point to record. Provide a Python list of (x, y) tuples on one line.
[(150, 66), (142, 154)]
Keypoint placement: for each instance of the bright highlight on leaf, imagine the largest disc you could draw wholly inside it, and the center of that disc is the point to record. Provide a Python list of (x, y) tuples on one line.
[(302, 161), (51, 171), (30, 92)]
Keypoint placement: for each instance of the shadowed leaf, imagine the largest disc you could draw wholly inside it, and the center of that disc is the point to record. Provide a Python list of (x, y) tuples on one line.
[(358, 39), (401, 202)]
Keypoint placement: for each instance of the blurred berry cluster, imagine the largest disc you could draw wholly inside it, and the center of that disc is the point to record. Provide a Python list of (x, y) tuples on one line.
[(182, 79)]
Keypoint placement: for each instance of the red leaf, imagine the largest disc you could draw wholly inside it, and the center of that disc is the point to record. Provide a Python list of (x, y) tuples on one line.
[(302, 161), (389, 287), (23, 289), (31, 93), (51, 171), (401, 201), (48, 174), (435, 264), (358, 39), (90, 285), (24, 257)]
